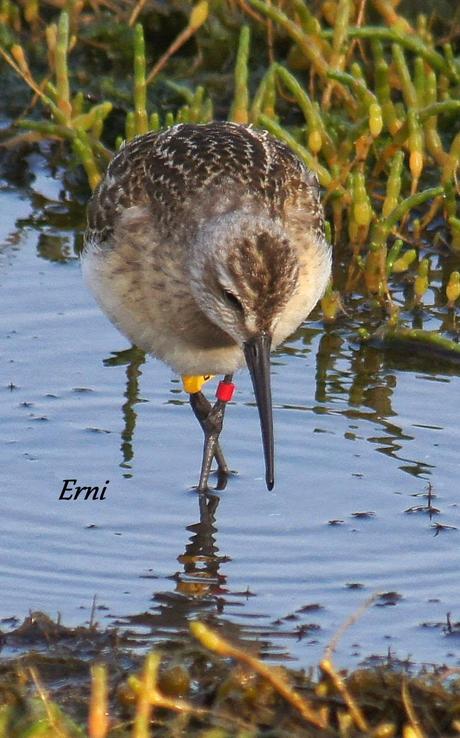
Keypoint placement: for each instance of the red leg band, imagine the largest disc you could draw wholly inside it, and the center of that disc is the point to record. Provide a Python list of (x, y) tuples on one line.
[(225, 391)]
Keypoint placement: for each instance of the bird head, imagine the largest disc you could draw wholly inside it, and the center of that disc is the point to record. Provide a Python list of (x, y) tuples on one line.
[(243, 274)]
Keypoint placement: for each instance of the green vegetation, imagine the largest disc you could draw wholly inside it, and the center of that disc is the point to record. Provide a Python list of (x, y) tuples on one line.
[(367, 99), (205, 686)]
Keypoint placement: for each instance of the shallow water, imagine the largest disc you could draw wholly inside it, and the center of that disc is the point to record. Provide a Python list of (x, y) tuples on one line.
[(357, 431)]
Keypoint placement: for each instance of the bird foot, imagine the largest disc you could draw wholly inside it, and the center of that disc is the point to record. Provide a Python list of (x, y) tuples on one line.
[(223, 476)]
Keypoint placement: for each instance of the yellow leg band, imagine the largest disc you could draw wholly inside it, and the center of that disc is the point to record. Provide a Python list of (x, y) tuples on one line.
[(193, 382)]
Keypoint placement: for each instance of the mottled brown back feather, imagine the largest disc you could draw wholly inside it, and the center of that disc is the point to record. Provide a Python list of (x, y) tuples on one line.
[(210, 169)]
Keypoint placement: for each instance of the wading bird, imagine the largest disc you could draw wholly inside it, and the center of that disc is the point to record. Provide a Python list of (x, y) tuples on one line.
[(205, 246)]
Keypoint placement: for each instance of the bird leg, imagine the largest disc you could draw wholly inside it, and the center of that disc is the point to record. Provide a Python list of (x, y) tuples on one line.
[(211, 418), (212, 426), (202, 409)]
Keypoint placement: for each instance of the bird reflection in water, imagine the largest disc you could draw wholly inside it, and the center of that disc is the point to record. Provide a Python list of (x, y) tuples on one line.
[(200, 586)]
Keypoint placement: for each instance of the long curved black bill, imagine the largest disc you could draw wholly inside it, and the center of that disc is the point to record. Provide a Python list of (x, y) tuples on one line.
[(257, 354)]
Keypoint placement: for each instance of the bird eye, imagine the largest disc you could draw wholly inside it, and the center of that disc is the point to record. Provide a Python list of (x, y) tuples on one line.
[(233, 300)]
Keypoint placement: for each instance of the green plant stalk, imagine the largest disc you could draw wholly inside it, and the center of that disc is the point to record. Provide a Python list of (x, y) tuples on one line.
[(375, 271), (82, 147), (85, 121), (57, 114), (130, 125), (78, 103), (422, 280), (102, 151), (258, 99), (207, 111), (303, 100), (422, 27), (455, 228), (383, 90), (239, 111), (438, 108), (98, 720), (450, 203), (420, 81), (337, 56), (51, 89), (446, 106), (309, 110), (62, 72), (383, 227), (393, 184), (416, 339), (47, 128), (375, 119), (452, 162), (31, 12), (94, 117), (416, 143), (148, 682), (100, 114), (183, 115), (295, 32), (394, 254), (361, 89), (331, 304), (408, 41), (403, 263), (452, 64), (453, 289), (444, 87), (181, 90), (340, 36), (154, 122), (217, 644), (408, 89), (51, 40), (358, 86), (196, 107), (264, 100), (430, 126), (140, 87), (357, 71), (276, 130), (362, 210), (353, 133), (353, 228), (310, 24), (387, 9)]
